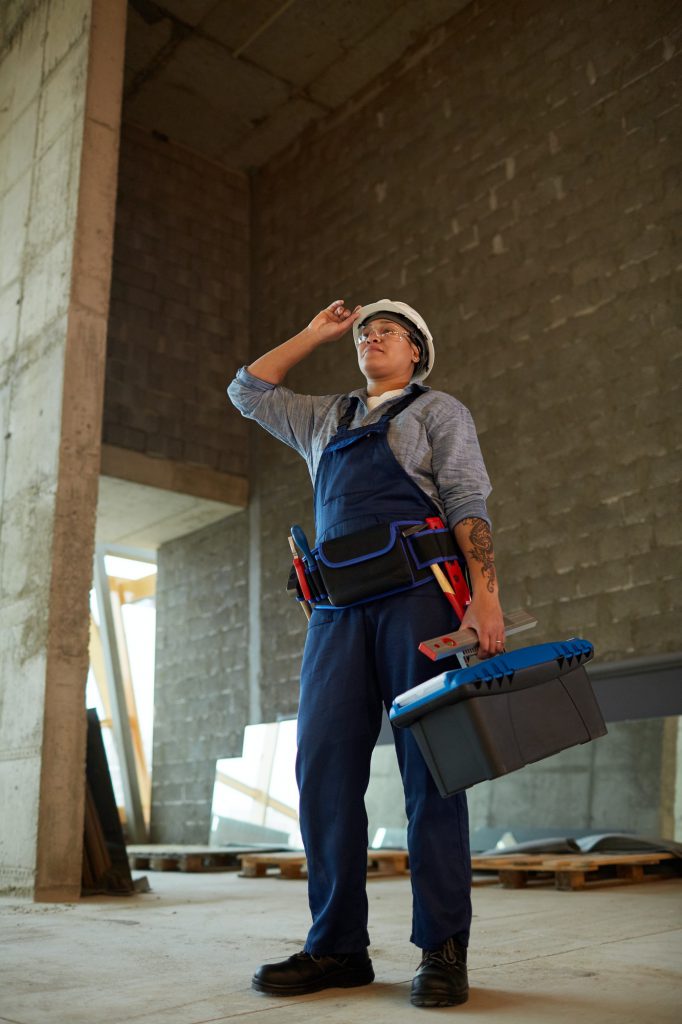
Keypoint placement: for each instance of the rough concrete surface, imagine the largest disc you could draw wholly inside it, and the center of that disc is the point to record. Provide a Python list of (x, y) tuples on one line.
[(40, 155), (184, 954), (246, 78), (60, 87)]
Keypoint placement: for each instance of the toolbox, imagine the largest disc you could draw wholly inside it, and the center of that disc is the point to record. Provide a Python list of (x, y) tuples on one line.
[(485, 720)]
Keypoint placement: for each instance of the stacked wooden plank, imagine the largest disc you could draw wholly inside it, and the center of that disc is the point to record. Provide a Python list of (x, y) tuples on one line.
[(105, 867)]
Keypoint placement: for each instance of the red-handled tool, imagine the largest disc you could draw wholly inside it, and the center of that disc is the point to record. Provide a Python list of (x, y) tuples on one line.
[(460, 587), (300, 576)]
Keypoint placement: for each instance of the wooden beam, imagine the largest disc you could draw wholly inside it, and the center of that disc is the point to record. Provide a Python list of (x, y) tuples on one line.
[(171, 475), (137, 828), (133, 590), (143, 779), (259, 796)]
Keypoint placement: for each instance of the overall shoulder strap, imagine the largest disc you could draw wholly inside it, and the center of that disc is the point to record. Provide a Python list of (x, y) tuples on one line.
[(400, 405), (348, 413)]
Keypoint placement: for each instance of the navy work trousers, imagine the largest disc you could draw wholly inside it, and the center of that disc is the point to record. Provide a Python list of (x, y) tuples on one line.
[(354, 661)]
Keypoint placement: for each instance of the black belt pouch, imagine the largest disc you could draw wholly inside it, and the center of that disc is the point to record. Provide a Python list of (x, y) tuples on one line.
[(365, 564)]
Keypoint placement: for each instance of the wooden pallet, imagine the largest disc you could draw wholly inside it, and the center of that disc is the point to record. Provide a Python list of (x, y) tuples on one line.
[(567, 872), (284, 865), (383, 863), (571, 872), (380, 864), (185, 858)]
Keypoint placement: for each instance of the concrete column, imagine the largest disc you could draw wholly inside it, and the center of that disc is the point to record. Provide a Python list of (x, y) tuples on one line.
[(61, 67)]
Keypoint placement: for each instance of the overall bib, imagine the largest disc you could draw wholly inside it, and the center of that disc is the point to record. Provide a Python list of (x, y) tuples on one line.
[(356, 659)]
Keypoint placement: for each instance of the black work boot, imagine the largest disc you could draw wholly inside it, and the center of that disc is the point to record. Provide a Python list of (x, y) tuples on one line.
[(307, 972), (441, 978)]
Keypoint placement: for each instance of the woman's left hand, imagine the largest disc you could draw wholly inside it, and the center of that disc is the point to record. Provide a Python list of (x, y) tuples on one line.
[(484, 615)]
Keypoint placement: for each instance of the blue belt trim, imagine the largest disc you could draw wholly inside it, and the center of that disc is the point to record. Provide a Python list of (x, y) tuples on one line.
[(394, 527), (375, 597)]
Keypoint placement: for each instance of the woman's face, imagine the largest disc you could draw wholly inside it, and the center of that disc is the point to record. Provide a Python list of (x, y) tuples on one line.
[(385, 349)]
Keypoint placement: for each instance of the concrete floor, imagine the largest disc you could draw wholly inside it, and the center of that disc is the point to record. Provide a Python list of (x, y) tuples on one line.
[(184, 954)]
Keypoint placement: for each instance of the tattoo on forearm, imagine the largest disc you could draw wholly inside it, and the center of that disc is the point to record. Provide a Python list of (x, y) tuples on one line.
[(481, 550)]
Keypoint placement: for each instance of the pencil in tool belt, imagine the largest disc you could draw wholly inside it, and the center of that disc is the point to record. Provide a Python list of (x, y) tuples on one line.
[(300, 576), (458, 599), (460, 587), (446, 587)]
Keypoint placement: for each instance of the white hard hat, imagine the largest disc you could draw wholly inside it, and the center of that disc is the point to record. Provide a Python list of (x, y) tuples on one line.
[(403, 313)]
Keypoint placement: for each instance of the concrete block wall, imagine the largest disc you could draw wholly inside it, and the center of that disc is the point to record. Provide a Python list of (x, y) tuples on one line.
[(515, 179), (178, 329), (605, 786), (179, 314), (518, 185), (202, 691)]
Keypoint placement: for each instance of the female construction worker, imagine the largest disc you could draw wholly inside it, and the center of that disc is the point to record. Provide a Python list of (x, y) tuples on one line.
[(393, 452)]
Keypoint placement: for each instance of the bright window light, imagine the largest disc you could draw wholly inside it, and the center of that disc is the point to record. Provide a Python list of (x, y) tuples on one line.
[(127, 568)]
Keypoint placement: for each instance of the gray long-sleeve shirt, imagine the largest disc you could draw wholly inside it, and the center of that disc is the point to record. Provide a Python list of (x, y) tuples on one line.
[(434, 439)]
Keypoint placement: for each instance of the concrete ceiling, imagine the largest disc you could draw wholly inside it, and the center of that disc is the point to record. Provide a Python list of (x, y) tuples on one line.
[(239, 80), (134, 515)]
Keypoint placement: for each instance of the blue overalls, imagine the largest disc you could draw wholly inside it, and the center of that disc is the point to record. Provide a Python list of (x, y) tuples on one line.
[(354, 660)]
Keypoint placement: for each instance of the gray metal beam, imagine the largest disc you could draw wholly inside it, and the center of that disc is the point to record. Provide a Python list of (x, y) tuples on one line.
[(649, 687)]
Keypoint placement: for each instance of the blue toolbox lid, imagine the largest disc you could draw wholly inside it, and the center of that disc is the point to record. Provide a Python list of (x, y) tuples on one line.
[(529, 666)]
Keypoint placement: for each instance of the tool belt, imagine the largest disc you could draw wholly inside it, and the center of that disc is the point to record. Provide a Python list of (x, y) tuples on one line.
[(375, 562)]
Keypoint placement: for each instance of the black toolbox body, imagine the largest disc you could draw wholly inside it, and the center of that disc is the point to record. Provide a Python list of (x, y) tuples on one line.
[(483, 721)]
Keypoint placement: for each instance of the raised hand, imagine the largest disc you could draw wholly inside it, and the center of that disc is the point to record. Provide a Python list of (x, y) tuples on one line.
[(328, 325), (333, 321)]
